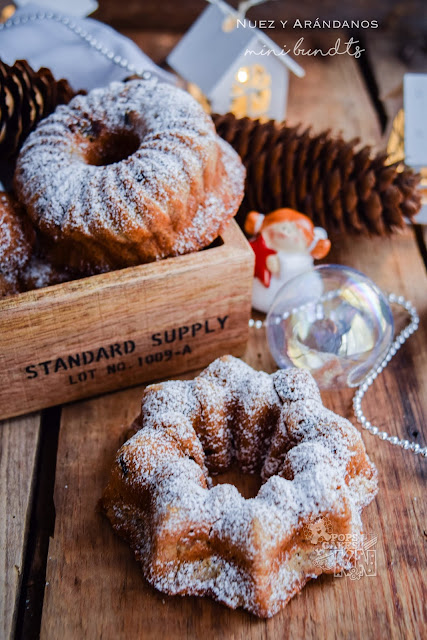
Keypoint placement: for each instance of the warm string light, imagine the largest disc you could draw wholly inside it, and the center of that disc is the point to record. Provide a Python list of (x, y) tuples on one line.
[(7, 12), (251, 92), (242, 75)]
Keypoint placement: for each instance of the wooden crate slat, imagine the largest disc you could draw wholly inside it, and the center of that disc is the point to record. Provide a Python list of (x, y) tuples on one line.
[(99, 334)]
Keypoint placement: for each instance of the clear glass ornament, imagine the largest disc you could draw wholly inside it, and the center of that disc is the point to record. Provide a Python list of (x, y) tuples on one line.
[(332, 320)]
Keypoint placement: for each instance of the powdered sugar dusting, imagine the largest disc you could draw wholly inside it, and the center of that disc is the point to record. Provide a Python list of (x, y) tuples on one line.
[(192, 538), (15, 241), (172, 195), (16, 244), (39, 273)]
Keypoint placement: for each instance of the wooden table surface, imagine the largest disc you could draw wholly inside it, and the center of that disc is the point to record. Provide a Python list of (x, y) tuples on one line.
[(65, 575)]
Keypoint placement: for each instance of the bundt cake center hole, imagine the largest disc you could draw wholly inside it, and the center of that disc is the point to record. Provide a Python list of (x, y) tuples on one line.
[(247, 484), (111, 147)]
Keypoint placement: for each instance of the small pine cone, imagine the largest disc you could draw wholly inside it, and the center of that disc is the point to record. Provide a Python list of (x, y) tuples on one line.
[(26, 97), (340, 186)]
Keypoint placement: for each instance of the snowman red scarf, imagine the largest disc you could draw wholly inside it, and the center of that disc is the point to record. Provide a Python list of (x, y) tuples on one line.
[(262, 251)]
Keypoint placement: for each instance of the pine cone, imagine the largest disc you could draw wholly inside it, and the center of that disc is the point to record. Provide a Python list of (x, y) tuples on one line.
[(339, 186), (26, 97)]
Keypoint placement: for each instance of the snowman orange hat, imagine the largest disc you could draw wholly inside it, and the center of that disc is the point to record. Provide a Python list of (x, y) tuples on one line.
[(316, 239)]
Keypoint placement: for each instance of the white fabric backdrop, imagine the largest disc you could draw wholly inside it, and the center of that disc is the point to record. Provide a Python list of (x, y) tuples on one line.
[(47, 43)]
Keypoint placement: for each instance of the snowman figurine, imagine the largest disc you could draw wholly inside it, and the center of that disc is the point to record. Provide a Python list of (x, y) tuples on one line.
[(285, 243)]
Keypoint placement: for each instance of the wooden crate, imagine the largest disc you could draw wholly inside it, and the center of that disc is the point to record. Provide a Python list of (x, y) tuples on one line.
[(122, 328)]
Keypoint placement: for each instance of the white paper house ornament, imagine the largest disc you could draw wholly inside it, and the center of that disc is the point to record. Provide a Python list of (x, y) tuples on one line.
[(226, 57), (415, 134)]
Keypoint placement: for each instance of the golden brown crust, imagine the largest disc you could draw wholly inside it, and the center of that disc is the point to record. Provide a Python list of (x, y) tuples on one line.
[(17, 240), (192, 538), (128, 174)]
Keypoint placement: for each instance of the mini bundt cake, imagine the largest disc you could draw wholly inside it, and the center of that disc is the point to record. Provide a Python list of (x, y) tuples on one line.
[(131, 173), (195, 539), (17, 239)]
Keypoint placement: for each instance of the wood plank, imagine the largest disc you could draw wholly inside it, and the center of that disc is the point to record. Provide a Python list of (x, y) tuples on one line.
[(392, 263), (89, 566), (19, 440), (396, 403), (95, 588), (333, 93)]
